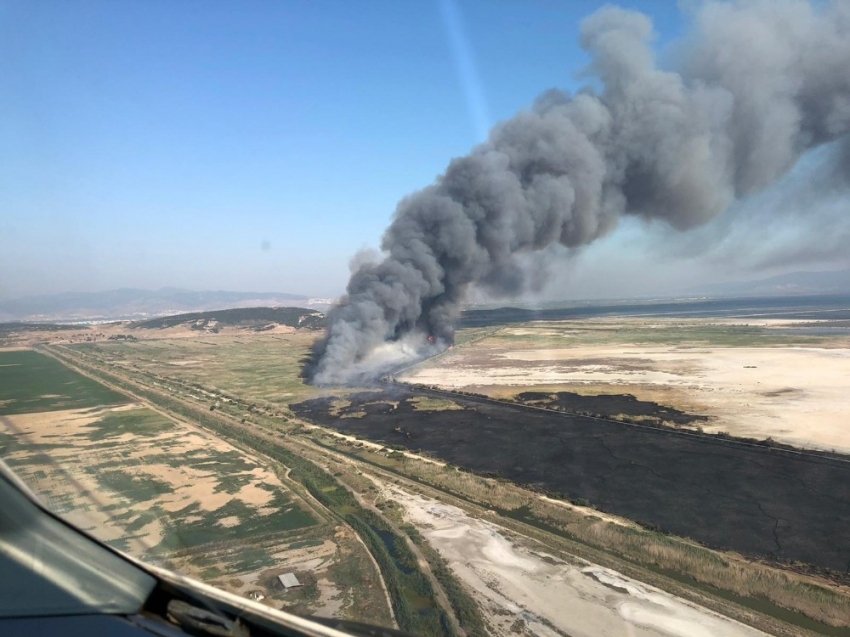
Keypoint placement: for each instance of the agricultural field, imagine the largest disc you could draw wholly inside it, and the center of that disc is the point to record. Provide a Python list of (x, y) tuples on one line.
[(31, 382), (172, 494), (255, 367), (631, 502)]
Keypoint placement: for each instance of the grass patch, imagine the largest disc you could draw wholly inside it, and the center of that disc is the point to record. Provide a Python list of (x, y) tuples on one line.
[(675, 332), (426, 403), (193, 526), (410, 590), (31, 382), (264, 370), (466, 609), (353, 574), (139, 422), (303, 544), (144, 519), (134, 487), (248, 559), (220, 462), (233, 483)]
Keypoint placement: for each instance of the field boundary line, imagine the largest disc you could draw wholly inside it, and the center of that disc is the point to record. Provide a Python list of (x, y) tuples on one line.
[(326, 513), (662, 430)]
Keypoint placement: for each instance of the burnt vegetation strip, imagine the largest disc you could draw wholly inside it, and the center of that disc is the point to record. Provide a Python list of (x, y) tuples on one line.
[(251, 317), (610, 406), (761, 501), (645, 560)]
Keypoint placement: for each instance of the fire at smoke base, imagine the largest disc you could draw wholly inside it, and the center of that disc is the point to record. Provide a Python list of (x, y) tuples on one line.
[(759, 83)]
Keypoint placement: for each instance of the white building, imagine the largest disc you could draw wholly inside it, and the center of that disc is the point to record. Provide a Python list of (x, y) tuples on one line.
[(289, 580)]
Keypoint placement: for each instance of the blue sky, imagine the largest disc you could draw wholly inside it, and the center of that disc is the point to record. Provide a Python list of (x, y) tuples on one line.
[(251, 145)]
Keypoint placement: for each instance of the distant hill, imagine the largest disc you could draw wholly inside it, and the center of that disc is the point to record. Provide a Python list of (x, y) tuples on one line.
[(129, 303), (793, 283), (254, 318), (10, 328)]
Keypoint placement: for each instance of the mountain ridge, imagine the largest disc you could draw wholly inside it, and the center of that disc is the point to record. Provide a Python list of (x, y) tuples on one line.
[(136, 303)]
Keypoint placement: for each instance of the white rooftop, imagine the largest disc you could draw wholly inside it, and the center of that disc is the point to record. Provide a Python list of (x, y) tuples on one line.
[(289, 580)]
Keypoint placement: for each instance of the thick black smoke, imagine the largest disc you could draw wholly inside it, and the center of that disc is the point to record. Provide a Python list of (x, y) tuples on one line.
[(759, 82)]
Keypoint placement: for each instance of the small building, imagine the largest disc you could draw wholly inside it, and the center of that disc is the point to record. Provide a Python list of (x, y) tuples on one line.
[(288, 580)]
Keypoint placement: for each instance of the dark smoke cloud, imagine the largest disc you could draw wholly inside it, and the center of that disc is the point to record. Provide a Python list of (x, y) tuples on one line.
[(759, 83), (803, 221)]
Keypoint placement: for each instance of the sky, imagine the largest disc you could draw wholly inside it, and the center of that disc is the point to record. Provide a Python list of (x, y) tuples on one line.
[(258, 145)]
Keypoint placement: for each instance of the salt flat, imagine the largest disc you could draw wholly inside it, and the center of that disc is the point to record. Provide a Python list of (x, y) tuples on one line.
[(549, 596)]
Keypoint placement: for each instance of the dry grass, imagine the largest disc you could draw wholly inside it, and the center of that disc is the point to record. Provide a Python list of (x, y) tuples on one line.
[(726, 571), (723, 571), (424, 403), (337, 405)]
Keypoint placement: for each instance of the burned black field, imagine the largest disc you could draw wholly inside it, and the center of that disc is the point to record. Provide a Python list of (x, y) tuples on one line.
[(756, 500), (610, 406)]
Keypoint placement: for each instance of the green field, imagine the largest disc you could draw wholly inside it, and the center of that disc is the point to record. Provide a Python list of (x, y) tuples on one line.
[(171, 494), (146, 471), (255, 368), (193, 527), (31, 382), (638, 331), (141, 422)]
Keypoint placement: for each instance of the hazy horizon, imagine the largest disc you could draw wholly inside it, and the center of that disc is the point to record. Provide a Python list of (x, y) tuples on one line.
[(716, 288), (260, 148)]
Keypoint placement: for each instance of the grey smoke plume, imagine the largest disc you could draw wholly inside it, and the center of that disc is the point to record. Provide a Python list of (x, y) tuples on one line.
[(758, 83)]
